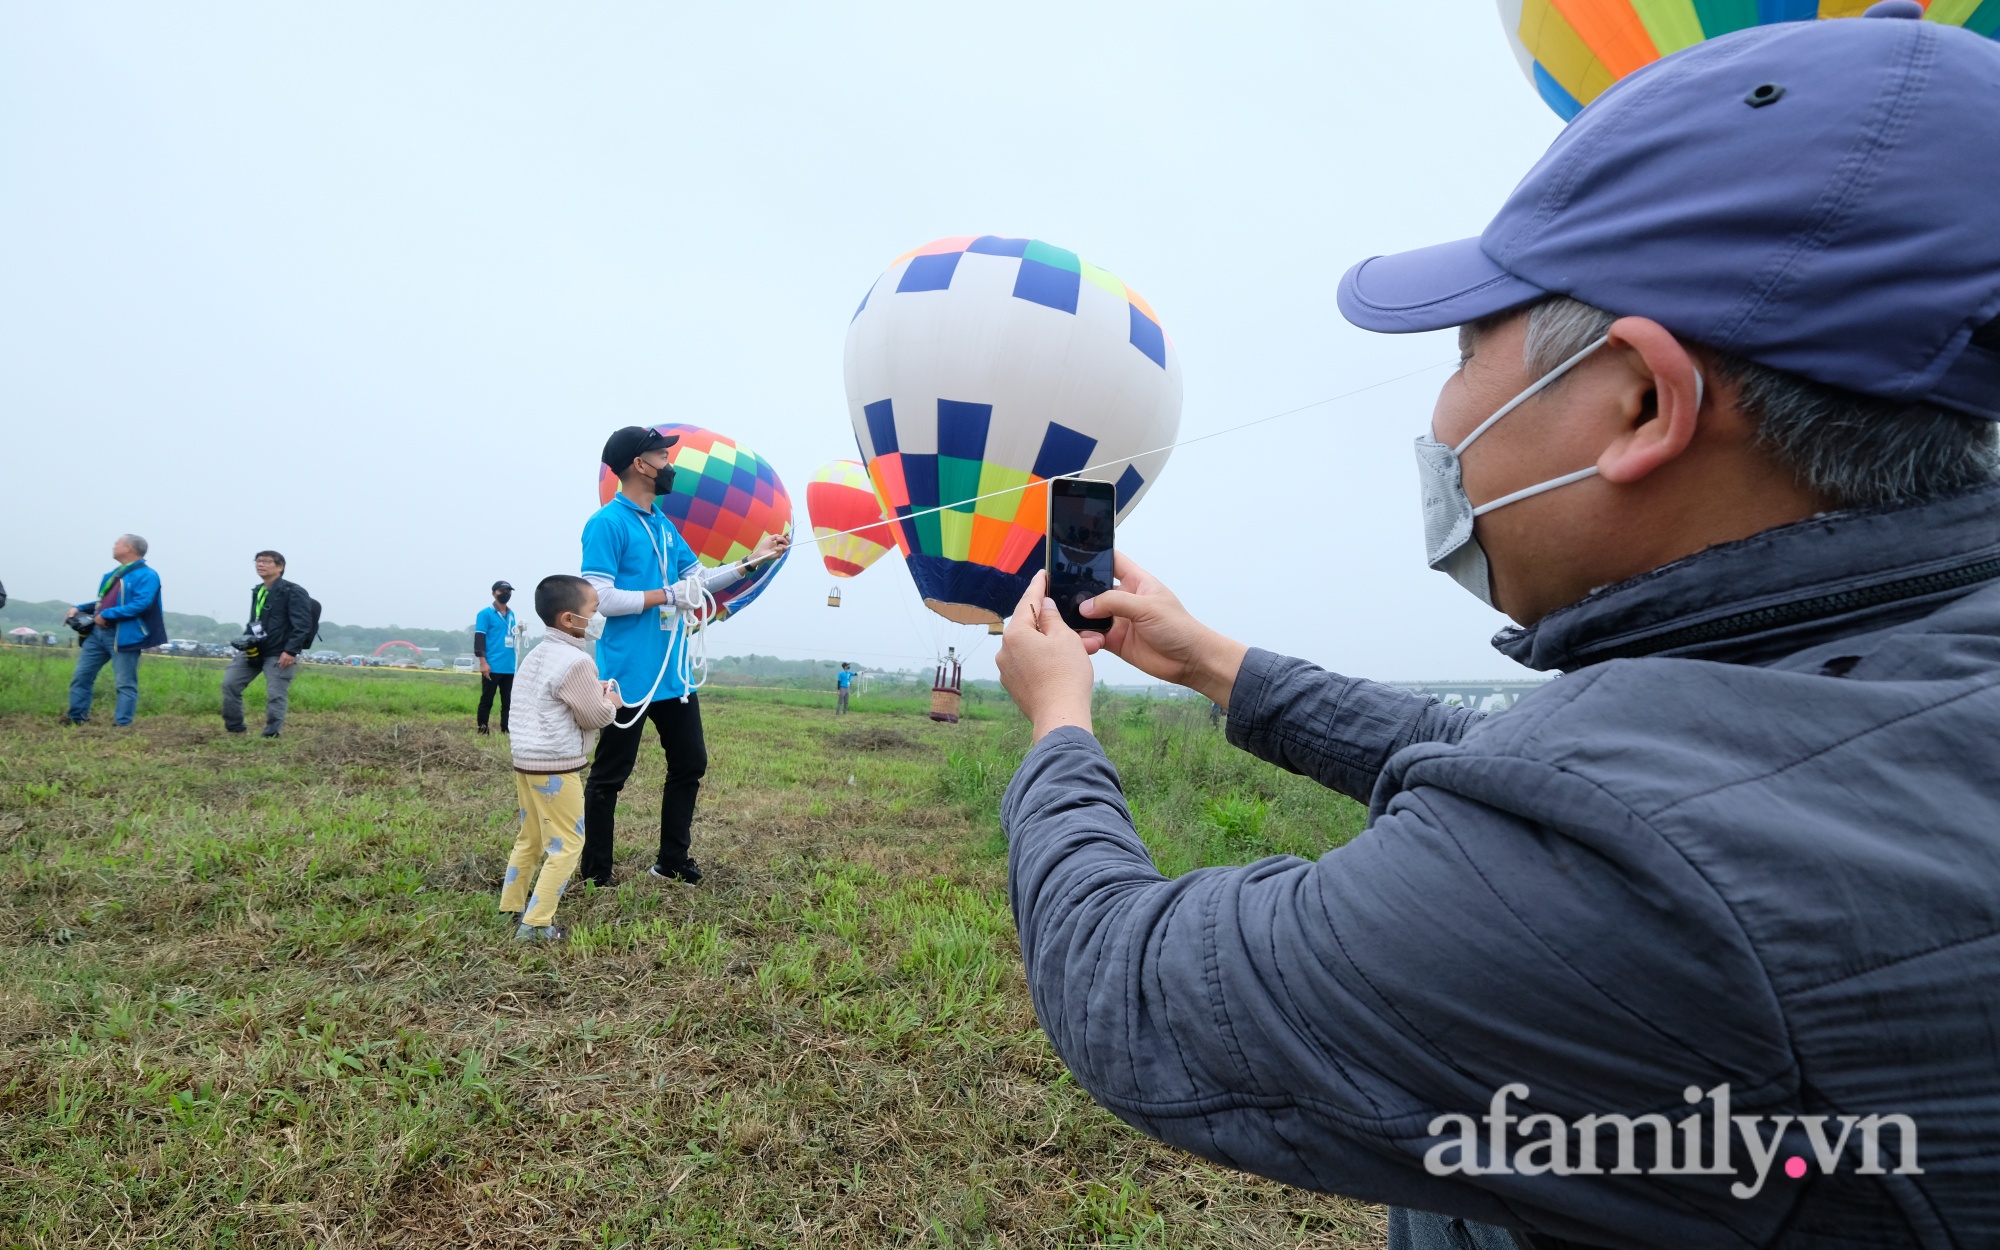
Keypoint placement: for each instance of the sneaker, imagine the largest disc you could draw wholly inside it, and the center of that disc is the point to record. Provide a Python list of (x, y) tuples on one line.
[(238, 730), (484, 732), (540, 933), (270, 733), (687, 872), (67, 720)]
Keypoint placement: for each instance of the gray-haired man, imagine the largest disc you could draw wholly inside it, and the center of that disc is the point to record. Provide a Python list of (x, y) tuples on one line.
[(1697, 945), (126, 619)]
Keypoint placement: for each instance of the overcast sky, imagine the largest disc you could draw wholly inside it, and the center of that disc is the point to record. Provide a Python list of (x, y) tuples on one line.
[(370, 283)]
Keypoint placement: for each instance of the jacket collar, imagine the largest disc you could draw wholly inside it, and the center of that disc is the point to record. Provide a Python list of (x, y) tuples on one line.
[(1768, 595), (654, 510), (556, 635)]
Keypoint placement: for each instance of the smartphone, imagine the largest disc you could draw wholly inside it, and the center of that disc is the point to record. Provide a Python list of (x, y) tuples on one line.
[(1079, 547)]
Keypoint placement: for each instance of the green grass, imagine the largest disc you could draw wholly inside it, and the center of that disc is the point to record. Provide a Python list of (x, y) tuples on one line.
[(256, 993)]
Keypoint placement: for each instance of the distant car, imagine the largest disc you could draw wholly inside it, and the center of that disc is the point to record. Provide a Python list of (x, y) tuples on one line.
[(181, 646), (214, 650), (466, 664), (435, 664)]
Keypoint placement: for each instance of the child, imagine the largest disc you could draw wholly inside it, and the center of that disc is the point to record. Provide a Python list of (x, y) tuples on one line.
[(842, 680), (559, 705)]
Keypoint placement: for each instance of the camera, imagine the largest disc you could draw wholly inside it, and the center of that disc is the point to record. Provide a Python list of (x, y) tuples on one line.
[(249, 637), (82, 622)]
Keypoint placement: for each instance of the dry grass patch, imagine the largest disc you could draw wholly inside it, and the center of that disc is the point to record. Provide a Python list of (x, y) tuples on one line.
[(258, 994)]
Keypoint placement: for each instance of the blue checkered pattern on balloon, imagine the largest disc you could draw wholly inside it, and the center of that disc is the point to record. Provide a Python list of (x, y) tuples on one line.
[(1010, 397)]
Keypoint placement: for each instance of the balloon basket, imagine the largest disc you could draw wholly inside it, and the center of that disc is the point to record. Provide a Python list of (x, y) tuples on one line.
[(944, 706), (996, 627), (833, 597)]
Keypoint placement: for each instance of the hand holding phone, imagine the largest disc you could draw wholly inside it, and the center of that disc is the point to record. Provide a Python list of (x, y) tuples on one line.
[(1079, 549)]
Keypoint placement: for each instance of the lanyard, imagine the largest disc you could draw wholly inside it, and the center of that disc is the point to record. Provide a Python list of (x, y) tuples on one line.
[(257, 603), (113, 576), (646, 523)]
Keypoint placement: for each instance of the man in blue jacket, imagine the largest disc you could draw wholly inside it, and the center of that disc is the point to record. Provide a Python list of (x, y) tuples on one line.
[(128, 620), (1698, 945)]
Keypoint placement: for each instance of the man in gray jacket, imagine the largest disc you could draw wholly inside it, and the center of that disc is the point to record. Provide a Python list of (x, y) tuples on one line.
[(1699, 945)]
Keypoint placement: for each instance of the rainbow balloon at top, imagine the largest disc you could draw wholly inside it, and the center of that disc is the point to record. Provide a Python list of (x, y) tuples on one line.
[(1573, 49)]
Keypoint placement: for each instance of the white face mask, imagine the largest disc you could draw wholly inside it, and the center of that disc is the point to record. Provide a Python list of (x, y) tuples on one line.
[(595, 630), (1449, 545)]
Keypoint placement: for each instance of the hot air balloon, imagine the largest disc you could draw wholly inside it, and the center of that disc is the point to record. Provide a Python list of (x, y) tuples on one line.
[(840, 498), (983, 365), (1573, 49), (726, 498)]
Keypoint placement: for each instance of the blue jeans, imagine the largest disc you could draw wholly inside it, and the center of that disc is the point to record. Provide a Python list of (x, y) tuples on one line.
[(1422, 1230), (100, 647)]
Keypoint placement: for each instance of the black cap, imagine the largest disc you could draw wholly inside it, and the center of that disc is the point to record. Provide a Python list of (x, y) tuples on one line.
[(626, 445), (503, 585)]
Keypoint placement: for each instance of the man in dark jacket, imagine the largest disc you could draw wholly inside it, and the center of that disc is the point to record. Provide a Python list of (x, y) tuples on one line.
[(128, 620), (280, 625), (1698, 945)]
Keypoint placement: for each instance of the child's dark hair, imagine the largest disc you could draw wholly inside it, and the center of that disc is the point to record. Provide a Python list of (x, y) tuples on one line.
[(558, 593)]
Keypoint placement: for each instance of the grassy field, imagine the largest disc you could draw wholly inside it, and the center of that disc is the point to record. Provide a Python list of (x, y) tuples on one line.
[(257, 993)]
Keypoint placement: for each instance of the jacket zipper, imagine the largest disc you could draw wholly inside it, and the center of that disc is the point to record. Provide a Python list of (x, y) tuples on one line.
[(1759, 620)]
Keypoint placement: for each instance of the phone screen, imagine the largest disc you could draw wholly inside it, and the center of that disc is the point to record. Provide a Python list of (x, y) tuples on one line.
[(1079, 546)]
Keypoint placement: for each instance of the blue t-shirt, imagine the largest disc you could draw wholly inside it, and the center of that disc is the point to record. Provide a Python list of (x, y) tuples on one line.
[(630, 547), (845, 677), (499, 631)]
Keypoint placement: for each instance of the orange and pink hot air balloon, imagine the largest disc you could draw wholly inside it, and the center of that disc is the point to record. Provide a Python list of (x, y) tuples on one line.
[(841, 500)]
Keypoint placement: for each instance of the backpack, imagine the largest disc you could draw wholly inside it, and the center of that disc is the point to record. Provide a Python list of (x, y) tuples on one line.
[(312, 634)]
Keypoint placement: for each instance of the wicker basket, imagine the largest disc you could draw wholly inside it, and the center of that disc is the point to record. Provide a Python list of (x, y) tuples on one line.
[(944, 705)]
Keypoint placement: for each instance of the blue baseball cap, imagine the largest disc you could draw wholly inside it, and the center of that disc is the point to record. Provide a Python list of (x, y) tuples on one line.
[(1822, 198)]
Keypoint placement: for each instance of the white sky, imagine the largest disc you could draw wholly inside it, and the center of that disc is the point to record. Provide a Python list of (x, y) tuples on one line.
[(370, 283)]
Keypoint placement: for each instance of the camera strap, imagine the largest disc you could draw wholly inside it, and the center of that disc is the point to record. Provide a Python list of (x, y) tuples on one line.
[(116, 576)]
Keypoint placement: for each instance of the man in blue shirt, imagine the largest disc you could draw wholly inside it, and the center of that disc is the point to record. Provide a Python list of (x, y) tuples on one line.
[(493, 643), (841, 681), (127, 611), (649, 586)]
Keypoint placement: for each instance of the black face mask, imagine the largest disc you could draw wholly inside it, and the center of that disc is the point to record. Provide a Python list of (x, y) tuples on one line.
[(503, 595), (663, 482)]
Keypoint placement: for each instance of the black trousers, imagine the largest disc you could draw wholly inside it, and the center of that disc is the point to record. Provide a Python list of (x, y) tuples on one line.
[(488, 683), (679, 727)]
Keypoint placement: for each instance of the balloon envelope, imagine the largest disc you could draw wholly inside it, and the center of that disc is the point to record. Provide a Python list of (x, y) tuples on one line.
[(983, 365), (841, 498), (725, 499), (1573, 49)]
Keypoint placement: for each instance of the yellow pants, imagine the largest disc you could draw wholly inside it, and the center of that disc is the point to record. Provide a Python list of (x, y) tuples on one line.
[(552, 826)]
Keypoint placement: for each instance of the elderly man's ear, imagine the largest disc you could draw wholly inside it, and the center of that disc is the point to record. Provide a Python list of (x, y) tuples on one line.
[(1662, 400)]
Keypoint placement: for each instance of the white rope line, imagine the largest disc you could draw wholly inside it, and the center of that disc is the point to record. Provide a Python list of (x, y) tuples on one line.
[(1103, 464)]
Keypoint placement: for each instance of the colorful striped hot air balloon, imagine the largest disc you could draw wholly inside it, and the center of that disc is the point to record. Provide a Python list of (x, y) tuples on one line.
[(1573, 49), (840, 498), (726, 498), (978, 369)]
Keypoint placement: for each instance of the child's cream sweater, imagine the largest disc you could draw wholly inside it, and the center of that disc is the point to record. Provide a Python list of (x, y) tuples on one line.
[(559, 705)]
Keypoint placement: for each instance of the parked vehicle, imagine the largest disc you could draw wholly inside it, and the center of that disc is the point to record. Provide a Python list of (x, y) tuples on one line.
[(434, 664), (465, 664), (180, 646)]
